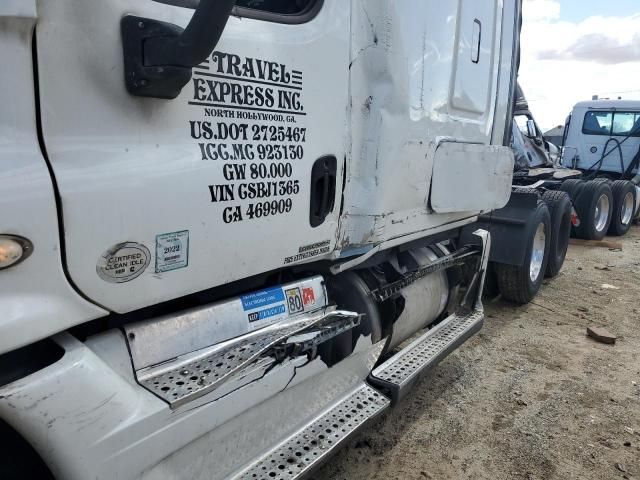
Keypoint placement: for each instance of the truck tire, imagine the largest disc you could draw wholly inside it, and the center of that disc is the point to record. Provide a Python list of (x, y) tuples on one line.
[(520, 283), (593, 204), (572, 186), (624, 202), (491, 289), (559, 205)]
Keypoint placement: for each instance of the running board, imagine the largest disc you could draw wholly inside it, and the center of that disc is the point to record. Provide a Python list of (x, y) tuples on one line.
[(309, 447), (398, 374)]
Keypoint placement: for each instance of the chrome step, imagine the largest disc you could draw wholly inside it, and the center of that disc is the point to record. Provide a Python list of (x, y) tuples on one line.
[(192, 376), (309, 447), (401, 371)]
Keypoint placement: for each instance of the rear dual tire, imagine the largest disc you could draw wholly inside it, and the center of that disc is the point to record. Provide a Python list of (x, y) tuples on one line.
[(559, 205), (521, 283), (593, 202), (624, 203)]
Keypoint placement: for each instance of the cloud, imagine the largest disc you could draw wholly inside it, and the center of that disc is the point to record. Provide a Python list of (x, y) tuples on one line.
[(537, 10), (566, 62), (599, 48)]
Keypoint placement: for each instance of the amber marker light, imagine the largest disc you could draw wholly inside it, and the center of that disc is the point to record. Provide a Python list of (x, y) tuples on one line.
[(13, 250)]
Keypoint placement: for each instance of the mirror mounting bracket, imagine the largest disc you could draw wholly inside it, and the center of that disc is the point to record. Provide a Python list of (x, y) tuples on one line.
[(159, 56), (161, 81)]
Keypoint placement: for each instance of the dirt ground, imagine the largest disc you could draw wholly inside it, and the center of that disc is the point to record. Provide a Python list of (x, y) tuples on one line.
[(531, 396)]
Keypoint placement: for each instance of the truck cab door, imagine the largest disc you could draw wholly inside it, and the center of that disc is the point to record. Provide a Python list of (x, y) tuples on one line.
[(236, 176)]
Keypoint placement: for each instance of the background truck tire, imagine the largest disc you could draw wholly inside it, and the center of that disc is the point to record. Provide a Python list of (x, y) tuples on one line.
[(559, 205), (572, 186), (519, 284), (624, 201), (594, 205)]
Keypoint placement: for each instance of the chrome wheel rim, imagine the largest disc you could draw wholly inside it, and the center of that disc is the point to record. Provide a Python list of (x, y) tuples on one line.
[(627, 209), (537, 253), (602, 212)]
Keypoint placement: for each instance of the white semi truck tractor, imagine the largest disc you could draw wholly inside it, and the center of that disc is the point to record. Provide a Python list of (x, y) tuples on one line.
[(233, 233)]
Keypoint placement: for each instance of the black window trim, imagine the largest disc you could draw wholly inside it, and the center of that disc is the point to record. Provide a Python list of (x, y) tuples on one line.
[(305, 16), (613, 114)]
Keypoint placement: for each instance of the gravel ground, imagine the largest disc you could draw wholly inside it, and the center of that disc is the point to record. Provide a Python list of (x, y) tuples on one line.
[(531, 396)]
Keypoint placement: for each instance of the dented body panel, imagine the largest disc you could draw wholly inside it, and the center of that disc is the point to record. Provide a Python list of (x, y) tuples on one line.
[(414, 87), (88, 418)]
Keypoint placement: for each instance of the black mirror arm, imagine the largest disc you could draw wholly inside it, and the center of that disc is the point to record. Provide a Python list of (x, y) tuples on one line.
[(196, 42)]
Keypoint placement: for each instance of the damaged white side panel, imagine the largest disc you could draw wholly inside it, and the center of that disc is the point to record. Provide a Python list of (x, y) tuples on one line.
[(87, 417), (417, 78)]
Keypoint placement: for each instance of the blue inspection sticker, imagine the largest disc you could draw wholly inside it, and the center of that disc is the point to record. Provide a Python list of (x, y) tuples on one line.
[(262, 298), (266, 304)]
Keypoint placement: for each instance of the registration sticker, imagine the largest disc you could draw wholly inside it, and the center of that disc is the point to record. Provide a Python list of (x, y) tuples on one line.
[(294, 301), (172, 251), (308, 296)]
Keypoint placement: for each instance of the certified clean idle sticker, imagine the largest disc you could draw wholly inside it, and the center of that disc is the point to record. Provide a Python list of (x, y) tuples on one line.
[(123, 262), (172, 251)]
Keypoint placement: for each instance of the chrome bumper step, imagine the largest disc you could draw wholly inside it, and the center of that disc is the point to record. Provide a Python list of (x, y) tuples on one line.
[(401, 371), (306, 449)]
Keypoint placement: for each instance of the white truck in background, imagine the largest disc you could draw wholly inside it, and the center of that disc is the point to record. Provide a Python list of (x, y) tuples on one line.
[(602, 139), (222, 223), (597, 166), (593, 132)]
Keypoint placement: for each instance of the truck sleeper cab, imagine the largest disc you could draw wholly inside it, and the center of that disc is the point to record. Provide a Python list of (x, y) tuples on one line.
[(252, 226)]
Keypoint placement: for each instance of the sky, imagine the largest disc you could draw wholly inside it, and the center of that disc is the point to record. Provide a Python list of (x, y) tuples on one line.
[(574, 49)]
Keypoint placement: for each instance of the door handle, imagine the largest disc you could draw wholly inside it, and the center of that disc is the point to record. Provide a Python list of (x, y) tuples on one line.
[(323, 189), (159, 56), (475, 43)]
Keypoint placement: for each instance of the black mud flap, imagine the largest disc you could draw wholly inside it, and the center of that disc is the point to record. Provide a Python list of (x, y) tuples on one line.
[(507, 226)]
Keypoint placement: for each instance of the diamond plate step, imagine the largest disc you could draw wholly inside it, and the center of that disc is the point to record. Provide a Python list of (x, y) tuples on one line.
[(308, 448), (398, 374), (187, 379)]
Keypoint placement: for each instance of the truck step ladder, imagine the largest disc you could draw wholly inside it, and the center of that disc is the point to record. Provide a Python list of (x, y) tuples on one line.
[(401, 371), (397, 375), (306, 449)]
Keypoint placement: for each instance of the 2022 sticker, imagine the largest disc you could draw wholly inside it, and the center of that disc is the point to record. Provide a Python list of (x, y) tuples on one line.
[(172, 251)]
